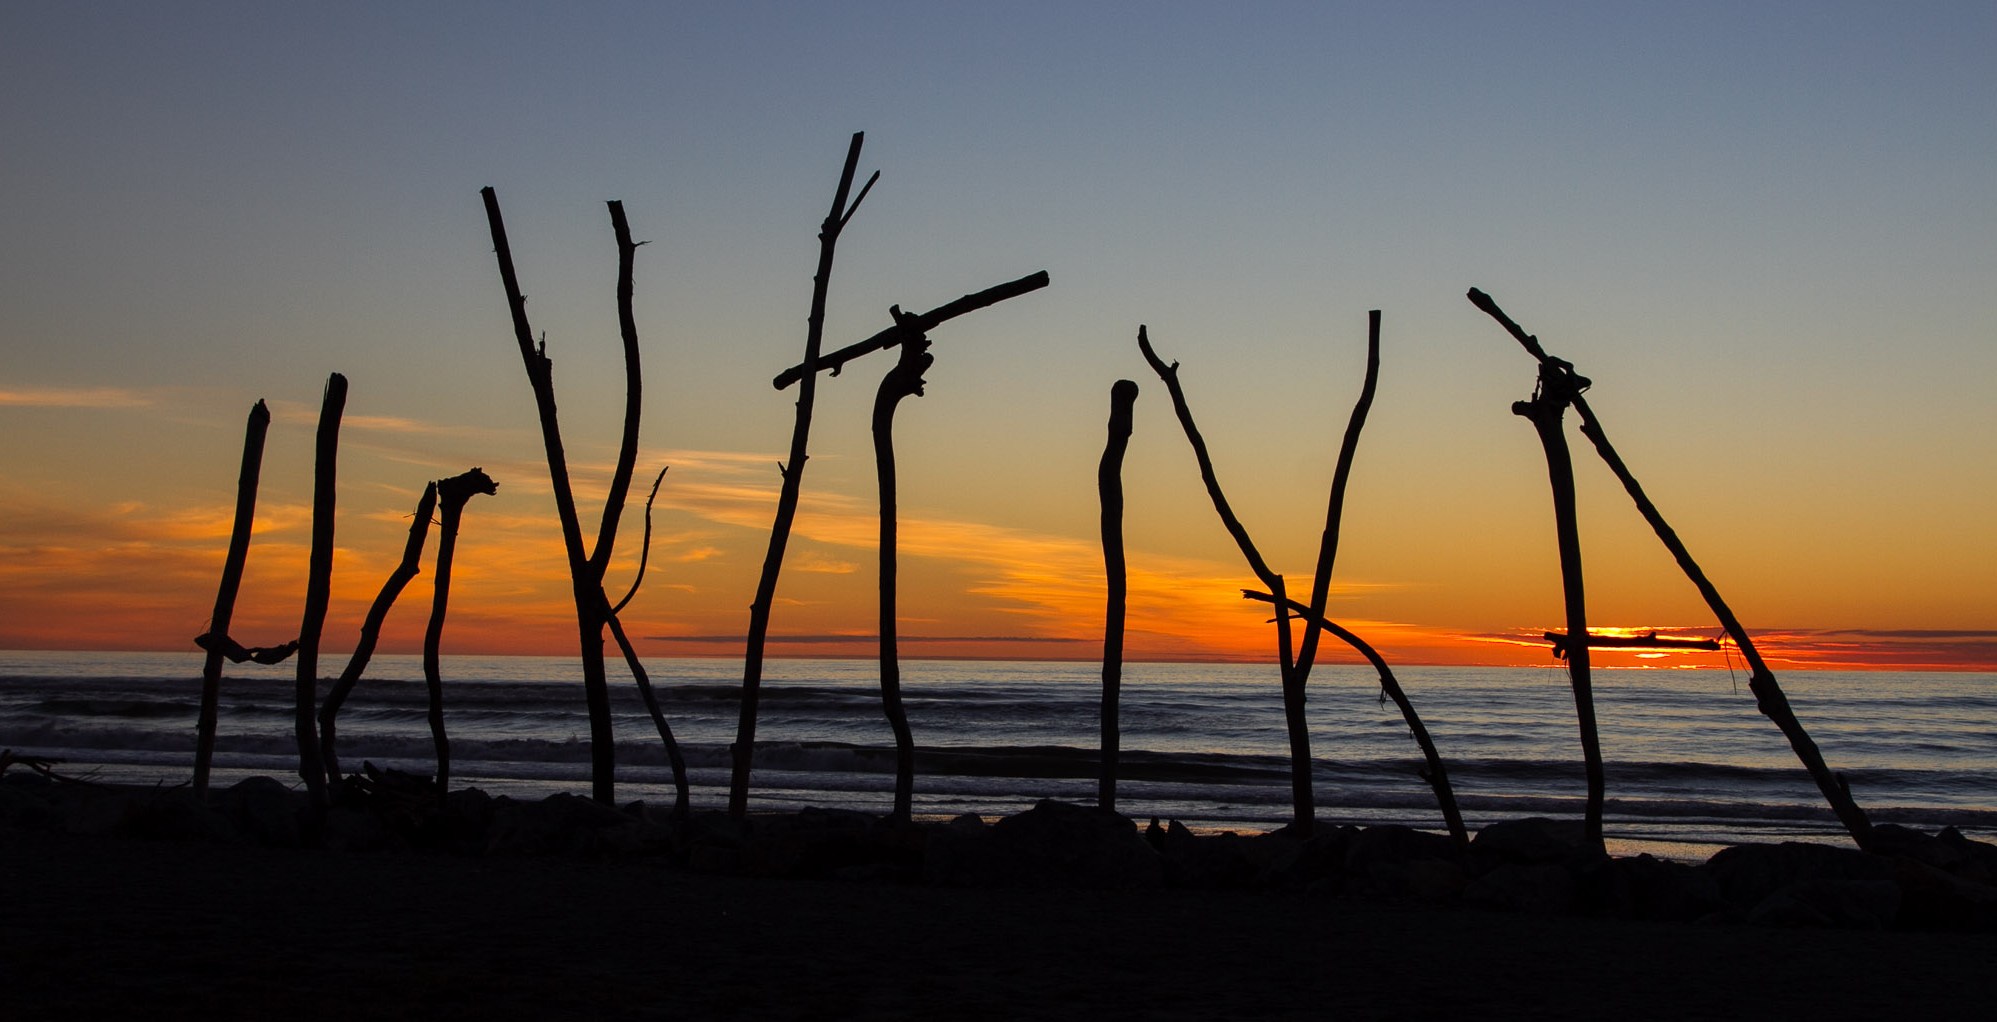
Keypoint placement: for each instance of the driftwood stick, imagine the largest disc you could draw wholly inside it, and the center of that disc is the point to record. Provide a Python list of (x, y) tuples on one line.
[(318, 588), (919, 324), (1435, 773), (585, 586), (793, 482), (1769, 697), (904, 380), (1303, 799), (1558, 387), (644, 546), (225, 594), (1109, 490), (682, 800), (412, 562), (452, 495), (237, 653), (1335, 509)]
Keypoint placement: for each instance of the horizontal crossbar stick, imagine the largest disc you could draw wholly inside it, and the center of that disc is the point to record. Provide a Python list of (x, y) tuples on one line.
[(919, 324), (1650, 641)]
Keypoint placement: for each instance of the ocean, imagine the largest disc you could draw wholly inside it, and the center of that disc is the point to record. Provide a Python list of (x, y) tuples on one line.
[(1689, 761)]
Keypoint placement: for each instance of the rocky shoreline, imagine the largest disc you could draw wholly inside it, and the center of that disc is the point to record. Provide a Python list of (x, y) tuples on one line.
[(1911, 880)]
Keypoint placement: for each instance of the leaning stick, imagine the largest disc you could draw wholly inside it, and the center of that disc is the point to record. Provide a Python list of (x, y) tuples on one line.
[(1435, 774), (1768, 695), (903, 380), (1303, 800), (412, 557), (452, 495), (1109, 488), (225, 595), (793, 482), (318, 587)]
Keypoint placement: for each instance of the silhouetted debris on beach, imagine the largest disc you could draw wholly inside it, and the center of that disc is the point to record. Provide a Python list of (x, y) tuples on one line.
[(1911, 880)]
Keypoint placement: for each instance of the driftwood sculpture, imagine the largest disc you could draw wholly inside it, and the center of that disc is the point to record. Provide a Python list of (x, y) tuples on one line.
[(225, 595), (904, 380), (1768, 694), (452, 495), (586, 567), (1109, 491), (405, 570)]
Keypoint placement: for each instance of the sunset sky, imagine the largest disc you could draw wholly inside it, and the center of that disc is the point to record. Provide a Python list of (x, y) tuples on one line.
[(1768, 232)]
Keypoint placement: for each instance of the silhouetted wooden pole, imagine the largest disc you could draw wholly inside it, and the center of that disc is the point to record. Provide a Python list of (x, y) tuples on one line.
[(1109, 490), (1335, 508), (1557, 388), (1303, 800), (793, 482), (1769, 697), (412, 557), (1435, 773), (225, 594), (318, 587), (904, 380), (452, 495)]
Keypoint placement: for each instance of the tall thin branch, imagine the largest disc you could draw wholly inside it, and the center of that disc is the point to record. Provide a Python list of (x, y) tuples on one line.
[(793, 482), (225, 594), (1768, 694), (682, 801), (1109, 490), (452, 495), (1303, 799), (903, 380), (318, 588), (1335, 510), (412, 562)]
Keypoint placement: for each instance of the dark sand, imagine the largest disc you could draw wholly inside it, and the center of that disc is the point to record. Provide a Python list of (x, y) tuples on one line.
[(110, 928)]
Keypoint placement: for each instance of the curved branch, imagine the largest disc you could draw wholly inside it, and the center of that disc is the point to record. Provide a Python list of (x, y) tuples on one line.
[(644, 547)]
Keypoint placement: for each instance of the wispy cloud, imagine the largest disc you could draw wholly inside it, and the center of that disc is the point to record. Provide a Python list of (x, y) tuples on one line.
[(73, 397)]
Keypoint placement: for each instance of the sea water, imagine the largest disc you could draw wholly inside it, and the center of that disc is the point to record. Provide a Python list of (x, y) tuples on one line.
[(1688, 758)]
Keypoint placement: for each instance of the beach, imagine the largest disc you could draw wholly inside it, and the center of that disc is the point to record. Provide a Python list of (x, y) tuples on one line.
[(131, 928)]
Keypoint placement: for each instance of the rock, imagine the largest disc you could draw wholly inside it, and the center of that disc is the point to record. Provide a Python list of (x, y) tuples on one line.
[(178, 815), (1661, 889), (1218, 861), (1397, 863), (1800, 884), (349, 829), (1054, 844), (105, 813), (1936, 899), (1532, 839), (558, 824), (1539, 888), (264, 810), (1979, 858)]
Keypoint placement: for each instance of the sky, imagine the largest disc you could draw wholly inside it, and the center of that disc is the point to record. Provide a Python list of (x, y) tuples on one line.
[(1767, 232)]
